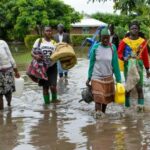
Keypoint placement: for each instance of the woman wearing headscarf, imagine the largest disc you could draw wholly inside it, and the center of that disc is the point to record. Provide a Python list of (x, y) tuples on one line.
[(103, 64), (133, 49)]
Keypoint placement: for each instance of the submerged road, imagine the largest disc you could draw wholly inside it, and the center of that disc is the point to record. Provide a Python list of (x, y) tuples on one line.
[(30, 125)]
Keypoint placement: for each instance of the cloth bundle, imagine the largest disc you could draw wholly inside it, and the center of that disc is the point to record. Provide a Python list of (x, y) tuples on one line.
[(37, 71), (133, 76), (65, 53)]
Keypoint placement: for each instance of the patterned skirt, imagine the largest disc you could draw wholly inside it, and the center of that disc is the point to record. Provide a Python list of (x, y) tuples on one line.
[(103, 90), (7, 83)]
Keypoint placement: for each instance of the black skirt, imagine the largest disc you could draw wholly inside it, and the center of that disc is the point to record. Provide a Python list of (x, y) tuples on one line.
[(52, 77), (7, 82)]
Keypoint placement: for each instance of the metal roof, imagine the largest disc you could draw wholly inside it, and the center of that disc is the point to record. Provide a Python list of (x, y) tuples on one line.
[(88, 22)]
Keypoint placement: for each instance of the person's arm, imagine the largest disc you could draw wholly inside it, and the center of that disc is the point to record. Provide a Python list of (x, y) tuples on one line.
[(121, 50), (92, 61), (145, 58), (91, 64), (12, 61), (115, 65), (17, 75), (35, 46)]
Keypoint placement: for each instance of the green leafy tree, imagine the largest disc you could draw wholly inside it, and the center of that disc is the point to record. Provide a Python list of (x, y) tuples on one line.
[(20, 17), (8, 15), (126, 6), (137, 9)]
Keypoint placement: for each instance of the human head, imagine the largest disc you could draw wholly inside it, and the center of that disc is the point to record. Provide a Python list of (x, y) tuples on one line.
[(105, 36), (111, 28), (134, 28), (60, 28), (47, 32)]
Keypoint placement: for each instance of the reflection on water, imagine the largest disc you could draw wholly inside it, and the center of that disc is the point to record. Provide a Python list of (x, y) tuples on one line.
[(29, 125), (7, 128)]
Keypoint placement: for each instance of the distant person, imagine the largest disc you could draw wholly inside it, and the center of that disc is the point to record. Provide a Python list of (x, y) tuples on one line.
[(134, 48), (113, 36), (47, 47), (103, 64), (7, 68), (61, 36)]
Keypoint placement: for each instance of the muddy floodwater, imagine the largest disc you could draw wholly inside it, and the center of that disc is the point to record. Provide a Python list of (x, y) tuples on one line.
[(30, 125)]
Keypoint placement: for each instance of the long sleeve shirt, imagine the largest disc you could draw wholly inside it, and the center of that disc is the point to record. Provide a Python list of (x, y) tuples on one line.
[(6, 59), (103, 62), (133, 45)]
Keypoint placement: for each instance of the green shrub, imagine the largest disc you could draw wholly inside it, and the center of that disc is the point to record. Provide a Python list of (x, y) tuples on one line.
[(120, 31), (77, 39), (29, 40)]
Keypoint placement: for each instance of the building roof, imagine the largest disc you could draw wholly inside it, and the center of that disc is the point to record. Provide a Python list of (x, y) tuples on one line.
[(88, 22)]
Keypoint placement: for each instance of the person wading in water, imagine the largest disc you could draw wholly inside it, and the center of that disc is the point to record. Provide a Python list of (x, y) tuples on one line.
[(103, 64)]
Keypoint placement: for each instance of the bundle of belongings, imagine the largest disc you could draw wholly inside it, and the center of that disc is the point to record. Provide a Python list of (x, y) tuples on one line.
[(65, 54), (133, 76), (37, 69)]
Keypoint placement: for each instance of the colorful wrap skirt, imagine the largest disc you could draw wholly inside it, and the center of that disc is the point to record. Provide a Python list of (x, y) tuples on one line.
[(103, 90), (7, 82)]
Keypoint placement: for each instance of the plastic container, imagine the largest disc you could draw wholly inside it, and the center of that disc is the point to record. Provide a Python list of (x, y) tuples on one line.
[(120, 94), (19, 85)]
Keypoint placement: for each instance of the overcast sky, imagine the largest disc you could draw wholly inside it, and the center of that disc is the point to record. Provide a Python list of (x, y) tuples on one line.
[(89, 8)]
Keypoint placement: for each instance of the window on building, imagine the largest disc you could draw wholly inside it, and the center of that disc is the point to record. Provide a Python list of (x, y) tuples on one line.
[(85, 30)]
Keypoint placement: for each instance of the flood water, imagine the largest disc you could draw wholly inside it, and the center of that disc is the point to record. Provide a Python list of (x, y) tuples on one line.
[(30, 125)]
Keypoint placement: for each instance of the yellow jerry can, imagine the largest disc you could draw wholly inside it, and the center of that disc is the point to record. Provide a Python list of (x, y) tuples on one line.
[(120, 94), (121, 64)]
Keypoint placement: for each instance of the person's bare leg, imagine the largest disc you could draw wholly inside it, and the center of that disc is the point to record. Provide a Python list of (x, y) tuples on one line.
[(104, 108), (8, 98), (1, 102), (98, 106), (99, 110)]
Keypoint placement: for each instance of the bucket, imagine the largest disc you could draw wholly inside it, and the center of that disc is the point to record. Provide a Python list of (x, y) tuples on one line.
[(87, 95), (19, 85), (120, 94)]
